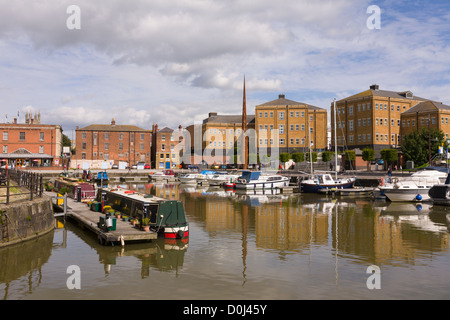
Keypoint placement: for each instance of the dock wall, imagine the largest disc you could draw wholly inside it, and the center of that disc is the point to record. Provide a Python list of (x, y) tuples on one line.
[(25, 220)]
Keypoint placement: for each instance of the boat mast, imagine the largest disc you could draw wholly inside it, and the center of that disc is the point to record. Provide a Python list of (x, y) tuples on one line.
[(335, 140), (310, 147)]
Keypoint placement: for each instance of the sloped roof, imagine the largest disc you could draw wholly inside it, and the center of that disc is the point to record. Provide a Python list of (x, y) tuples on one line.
[(232, 119), (427, 106), (110, 127), (282, 101), (385, 93)]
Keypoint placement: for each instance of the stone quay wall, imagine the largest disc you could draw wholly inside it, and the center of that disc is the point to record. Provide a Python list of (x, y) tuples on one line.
[(25, 220)]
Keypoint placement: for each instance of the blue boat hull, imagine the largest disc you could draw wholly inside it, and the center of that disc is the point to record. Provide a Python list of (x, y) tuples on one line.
[(314, 187)]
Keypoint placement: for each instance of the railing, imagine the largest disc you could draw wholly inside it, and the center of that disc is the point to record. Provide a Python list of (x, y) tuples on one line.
[(19, 185)]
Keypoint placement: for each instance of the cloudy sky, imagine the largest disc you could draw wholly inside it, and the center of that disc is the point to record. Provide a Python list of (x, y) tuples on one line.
[(172, 62)]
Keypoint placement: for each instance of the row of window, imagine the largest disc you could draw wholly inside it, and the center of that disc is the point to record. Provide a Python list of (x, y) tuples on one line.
[(292, 114), (292, 127), (21, 136), (297, 141), (366, 106), (385, 122), (105, 156), (106, 136), (5, 149), (368, 138), (142, 146)]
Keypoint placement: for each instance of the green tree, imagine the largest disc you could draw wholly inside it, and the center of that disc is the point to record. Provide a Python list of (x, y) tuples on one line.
[(66, 142), (368, 155), (389, 155), (350, 156), (285, 157), (415, 146), (314, 156), (298, 157), (327, 156)]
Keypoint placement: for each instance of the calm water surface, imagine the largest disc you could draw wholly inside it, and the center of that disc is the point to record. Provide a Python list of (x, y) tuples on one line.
[(244, 246)]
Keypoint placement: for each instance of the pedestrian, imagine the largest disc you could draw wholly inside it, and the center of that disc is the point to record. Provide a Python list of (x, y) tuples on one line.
[(390, 173)]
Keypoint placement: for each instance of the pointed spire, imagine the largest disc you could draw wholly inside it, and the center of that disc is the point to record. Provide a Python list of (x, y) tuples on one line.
[(244, 128)]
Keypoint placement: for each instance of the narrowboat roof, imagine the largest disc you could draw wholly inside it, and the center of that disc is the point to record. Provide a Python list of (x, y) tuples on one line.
[(133, 195)]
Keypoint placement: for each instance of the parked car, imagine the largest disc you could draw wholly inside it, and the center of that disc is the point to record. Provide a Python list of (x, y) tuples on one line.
[(147, 166), (115, 166)]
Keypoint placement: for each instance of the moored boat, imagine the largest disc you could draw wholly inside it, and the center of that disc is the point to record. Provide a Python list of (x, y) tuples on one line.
[(84, 190), (166, 217), (220, 178), (325, 181), (440, 193), (251, 180), (414, 188)]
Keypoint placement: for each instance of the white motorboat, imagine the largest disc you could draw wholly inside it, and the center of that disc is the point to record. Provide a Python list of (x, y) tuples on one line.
[(195, 177), (251, 180), (219, 178), (413, 188)]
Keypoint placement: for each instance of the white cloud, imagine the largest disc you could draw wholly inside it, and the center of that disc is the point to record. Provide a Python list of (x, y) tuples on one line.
[(173, 62)]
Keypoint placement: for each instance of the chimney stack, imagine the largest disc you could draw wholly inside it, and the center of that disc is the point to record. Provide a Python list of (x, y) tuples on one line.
[(113, 122), (374, 87), (15, 120)]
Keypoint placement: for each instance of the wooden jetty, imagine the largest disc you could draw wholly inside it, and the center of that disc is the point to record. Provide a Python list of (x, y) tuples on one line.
[(123, 233)]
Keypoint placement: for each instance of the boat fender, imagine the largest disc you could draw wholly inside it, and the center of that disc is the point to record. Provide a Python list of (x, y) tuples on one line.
[(418, 197), (244, 180), (180, 234), (122, 241), (381, 181)]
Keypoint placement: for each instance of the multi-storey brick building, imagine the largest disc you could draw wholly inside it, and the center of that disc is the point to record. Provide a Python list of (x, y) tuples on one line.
[(425, 114), (166, 147), (371, 119), (299, 126), (100, 145), (31, 143)]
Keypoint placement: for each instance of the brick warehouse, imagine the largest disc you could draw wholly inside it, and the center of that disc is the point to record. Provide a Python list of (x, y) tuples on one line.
[(31, 144), (166, 146), (101, 146)]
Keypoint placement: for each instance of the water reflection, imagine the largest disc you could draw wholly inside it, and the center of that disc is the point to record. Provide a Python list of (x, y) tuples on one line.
[(371, 232), (251, 244), (21, 264), (161, 254)]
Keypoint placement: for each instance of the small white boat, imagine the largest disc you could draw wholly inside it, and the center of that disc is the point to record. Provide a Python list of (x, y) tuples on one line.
[(219, 178), (251, 180), (188, 178), (193, 178), (413, 188)]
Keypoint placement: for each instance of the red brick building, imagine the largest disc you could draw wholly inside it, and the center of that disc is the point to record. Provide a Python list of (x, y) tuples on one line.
[(101, 146), (166, 146), (30, 144)]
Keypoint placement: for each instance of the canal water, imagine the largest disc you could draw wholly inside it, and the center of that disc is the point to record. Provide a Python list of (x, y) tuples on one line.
[(248, 246)]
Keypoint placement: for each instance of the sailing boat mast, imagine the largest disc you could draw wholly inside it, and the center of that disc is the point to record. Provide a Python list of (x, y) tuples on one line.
[(335, 141)]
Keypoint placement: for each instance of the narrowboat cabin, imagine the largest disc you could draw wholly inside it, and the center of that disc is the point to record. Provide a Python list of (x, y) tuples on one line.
[(166, 217), (87, 190)]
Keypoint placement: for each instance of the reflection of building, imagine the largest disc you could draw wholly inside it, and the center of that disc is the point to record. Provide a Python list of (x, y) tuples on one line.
[(299, 125), (289, 228), (31, 144), (112, 143)]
